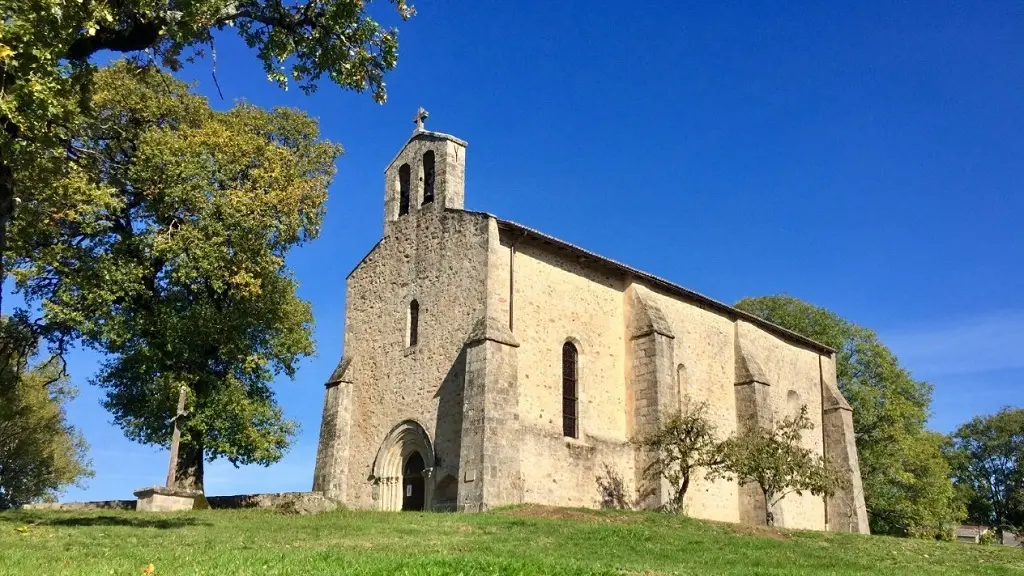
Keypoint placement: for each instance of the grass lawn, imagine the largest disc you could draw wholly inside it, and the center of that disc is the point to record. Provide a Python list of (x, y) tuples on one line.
[(525, 540)]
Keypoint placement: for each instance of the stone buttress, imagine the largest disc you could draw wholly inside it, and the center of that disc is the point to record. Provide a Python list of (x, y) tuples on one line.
[(753, 408), (846, 510), (489, 457), (331, 472), (652, 379)]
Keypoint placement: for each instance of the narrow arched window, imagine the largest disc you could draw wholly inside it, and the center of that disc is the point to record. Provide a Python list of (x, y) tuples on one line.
[(428, 177), (403, 189), (684, 387), (570, 375), (414, 322)]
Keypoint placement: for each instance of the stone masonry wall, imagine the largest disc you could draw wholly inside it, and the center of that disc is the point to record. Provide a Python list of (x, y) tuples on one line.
[(438, 258), (490, 458), (449, 176), (330, 475), (557, 298), (794, 377), (705, 371)]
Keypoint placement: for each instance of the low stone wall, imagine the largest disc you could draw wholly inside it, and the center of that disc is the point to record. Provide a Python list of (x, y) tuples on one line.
[(77, 506), (292, 502), (275, 500)]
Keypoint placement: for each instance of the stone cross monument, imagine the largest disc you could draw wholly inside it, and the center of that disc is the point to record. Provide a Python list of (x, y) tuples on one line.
[(168, 498), (172, 469)]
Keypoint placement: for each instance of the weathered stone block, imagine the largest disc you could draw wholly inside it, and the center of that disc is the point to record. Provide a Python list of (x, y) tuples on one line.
[(160, 499)]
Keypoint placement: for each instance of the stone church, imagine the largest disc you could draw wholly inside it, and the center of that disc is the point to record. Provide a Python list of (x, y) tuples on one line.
[(486, 364)]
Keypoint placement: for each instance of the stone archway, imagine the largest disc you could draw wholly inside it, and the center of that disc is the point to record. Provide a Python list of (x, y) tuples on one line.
[(403, 468)]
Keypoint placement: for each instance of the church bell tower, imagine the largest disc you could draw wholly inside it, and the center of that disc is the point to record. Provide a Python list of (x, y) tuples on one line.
[(429, 173)]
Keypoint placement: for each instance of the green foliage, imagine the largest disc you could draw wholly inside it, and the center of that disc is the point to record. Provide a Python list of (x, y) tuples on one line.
[(906, 483), (40, 452), (775, 459), (47, 75), (921, 498), (987, 456), (160, 239), (684, 442), (46, 45)]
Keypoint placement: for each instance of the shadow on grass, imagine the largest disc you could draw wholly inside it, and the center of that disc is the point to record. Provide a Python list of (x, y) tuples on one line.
[(111, 520)]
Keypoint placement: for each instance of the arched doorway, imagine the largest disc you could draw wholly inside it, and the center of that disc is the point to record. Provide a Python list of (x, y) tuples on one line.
[(403, 469), (413, 488)]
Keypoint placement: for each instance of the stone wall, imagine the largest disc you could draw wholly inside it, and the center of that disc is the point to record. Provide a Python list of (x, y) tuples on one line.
[(438, 258), (704, 358), (83, 506), (792, 377), (490, 462), (557, 295), (557, 298), (449, 176), (275, 500)]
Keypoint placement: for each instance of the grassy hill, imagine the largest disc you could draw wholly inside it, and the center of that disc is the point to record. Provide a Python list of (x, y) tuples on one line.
[(524, 540)]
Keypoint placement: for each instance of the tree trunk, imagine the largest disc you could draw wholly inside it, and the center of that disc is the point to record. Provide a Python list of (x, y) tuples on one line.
[(189, 474), (6, 211), (681, 493), (769, 518)]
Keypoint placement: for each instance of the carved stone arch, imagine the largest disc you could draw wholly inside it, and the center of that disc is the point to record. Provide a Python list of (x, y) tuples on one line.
[(575, 342), (404, 440)]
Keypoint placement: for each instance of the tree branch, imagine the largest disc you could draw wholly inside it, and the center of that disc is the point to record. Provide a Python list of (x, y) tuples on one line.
[(139, 36)]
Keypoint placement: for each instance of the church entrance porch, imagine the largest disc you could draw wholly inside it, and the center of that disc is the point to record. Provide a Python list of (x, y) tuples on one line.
[(402, 471)]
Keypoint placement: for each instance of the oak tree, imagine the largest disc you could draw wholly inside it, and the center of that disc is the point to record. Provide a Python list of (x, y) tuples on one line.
[(160, 240), (47, 49)]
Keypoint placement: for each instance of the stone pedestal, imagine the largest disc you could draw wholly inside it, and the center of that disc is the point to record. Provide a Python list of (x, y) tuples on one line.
[(160, 499)]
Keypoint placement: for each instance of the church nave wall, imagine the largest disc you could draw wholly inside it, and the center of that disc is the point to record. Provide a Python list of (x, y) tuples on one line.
[(558, 299), (705, 372), (795, 377)]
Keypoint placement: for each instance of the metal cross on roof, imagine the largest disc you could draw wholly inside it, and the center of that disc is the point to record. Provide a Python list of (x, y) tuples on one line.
[(421, 117)]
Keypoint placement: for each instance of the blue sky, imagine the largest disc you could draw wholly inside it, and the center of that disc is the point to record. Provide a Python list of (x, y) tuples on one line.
[(864, 156)]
